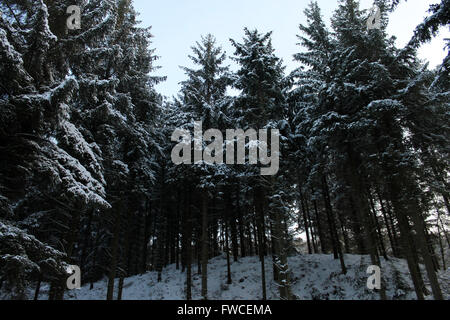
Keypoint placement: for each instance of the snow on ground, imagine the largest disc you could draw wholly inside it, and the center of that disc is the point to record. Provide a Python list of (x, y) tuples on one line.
[(313, 277)]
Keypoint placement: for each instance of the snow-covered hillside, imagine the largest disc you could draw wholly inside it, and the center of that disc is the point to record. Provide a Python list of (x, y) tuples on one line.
[(313, 277)]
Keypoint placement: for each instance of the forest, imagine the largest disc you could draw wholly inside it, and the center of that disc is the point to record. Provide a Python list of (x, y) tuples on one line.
[(87, 178)]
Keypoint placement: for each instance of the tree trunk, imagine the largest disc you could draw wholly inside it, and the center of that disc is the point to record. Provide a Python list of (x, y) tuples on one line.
[(305, 217), (280, 245), (332, 224), (188, 244), (391, 236), (115, 252), (441, 246), (227, 249), (419, 226), (240, 223), (258, 201), (205, 245), (38, 287), (413, 267), (274, 246), (124, 260), (233, 229), (322, 239), (377, 225)]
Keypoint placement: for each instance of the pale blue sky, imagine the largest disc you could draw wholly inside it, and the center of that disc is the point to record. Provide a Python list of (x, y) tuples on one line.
[(177, 24)]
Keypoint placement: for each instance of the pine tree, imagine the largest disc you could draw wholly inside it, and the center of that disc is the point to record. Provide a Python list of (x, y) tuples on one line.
[(204, 99), (262, 104)]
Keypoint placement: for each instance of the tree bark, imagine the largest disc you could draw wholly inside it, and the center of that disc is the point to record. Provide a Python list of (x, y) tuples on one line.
[(305, 217), (188, 244), (332, 224), (205, 245), (115, 252), (258, 201), (227, 250)]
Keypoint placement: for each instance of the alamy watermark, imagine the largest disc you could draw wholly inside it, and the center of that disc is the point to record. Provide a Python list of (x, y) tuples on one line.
[(74, 280), (257, 146), (374, 280), (74, 21), (374, 21)]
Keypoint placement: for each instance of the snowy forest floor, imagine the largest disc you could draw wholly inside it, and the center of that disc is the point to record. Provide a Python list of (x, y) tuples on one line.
[(313, 277)]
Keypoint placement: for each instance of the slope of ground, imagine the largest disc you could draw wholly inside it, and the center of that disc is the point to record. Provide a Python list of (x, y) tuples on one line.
[(313, 277)]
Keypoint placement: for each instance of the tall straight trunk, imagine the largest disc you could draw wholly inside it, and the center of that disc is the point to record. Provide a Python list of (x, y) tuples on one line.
[(124, 259), (70, 238), (161, 225), (240, 222), (403, 191), (305, 217), (222, 236), (215, 231), (231, 213), (322, 239), (255, 235), (234, 242), (359, 187), (94, 259), (265, 209), (447, 203), (312, 227), (280, 246), (274, 250), (167, 237), (413, 266), (443, 228), (179, 219), (439, 177), (38, 287), (419, 226), (198, 250), (214, 237), (177, 249), (142, 241), (188, 250), (377, 225), (284, 283), (172, 236), (120, 287), (86, 238), (132, 261), (333, 227), (51, 292), (332, 223), (330, 220), (56, 292), (395, 224), (227, 249), (441, 246), (184, 223), (73, 233), (431, 248), (410, 208), (258, 201), (115, 252), (356, 226), (391, 236), (205, 246), (250, 240), (160, 250), (344, 233), (153, 248)]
